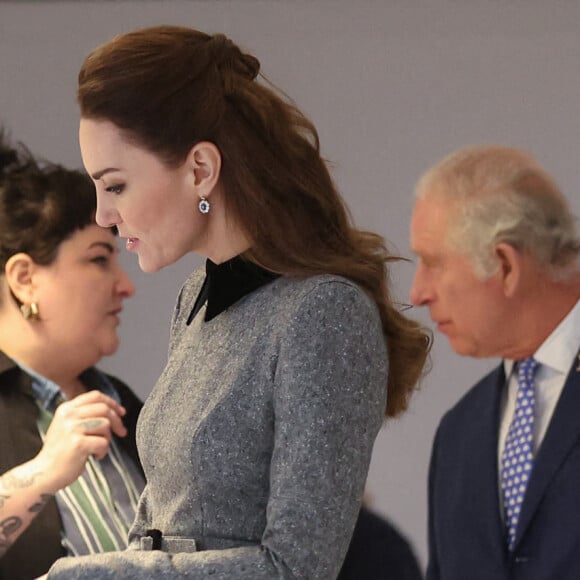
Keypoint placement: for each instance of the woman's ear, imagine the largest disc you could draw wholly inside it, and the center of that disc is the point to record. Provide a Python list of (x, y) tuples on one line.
[(19, 272), (205, 162), (510, 268)]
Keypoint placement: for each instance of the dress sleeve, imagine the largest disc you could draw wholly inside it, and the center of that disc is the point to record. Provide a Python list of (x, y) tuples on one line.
[(329, 401)]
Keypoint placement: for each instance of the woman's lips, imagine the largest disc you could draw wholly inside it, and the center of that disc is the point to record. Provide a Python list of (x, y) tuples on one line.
[(116, 314)]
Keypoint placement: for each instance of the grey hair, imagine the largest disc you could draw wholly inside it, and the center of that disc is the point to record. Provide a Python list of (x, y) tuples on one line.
[(501, 195)]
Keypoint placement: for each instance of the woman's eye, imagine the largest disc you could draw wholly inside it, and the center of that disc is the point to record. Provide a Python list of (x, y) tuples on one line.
[(101, 260), (117, 188)]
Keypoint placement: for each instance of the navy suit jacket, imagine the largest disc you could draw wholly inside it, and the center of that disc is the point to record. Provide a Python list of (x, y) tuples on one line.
[(466, 532)]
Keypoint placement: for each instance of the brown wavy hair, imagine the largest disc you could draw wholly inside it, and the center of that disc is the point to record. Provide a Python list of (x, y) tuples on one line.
[(168, 88)]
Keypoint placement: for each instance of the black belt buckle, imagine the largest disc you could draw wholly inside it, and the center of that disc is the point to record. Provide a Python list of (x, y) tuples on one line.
[(156, 536)]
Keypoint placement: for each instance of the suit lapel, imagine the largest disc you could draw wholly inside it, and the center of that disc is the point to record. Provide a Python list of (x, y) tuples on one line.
[(561, 436), (484, 480)]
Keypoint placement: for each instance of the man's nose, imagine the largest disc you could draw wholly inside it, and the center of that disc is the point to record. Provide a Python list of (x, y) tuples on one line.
[(420, 295)]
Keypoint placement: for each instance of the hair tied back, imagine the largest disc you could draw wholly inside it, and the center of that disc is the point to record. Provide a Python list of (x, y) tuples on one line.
[(231, 62)]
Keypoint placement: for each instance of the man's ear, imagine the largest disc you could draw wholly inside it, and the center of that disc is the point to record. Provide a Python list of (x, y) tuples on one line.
[(204, 161), (510, 268), (19, 272)]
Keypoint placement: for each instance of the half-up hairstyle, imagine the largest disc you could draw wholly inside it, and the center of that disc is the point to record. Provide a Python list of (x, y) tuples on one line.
[(168, 88)]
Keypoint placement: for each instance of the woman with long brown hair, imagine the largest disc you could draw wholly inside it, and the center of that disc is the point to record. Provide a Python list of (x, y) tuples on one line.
[(286, 350)]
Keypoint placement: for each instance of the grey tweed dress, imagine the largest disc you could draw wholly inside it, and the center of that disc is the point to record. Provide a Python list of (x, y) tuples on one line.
[(257, 438)]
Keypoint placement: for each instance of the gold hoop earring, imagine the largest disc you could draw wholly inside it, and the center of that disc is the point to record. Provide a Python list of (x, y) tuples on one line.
[(30, 311)]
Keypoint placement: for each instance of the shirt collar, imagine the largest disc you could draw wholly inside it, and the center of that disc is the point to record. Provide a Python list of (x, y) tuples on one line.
[(49, 395), (560, 349), (228, 282)]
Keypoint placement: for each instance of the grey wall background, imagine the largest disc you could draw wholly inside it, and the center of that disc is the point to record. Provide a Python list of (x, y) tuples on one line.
[(391, 85)]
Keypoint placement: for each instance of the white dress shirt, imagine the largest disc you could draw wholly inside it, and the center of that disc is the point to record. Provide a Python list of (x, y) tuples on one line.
[(556, 355)]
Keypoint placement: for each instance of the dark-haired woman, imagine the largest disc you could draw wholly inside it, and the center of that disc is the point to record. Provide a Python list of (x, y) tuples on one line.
[(69, 472), (257, 438)]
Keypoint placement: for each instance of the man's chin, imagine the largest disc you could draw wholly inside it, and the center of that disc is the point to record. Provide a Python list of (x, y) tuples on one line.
[(464, 348)]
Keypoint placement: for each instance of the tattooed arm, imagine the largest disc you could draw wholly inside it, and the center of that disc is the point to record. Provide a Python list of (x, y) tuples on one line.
[(23, 493), (80, 428)]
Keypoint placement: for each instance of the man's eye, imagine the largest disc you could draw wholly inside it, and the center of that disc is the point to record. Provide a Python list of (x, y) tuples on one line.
[(101, 260), (117, 188)]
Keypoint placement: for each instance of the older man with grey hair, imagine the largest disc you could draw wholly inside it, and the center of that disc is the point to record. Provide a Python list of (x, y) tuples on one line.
[(498, 268)]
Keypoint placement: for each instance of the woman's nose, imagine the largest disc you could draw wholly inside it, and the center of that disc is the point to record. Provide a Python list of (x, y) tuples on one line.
[(106, 215), (125, 285)]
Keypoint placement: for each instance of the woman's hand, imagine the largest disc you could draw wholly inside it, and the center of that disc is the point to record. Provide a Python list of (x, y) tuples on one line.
[(80, 428)]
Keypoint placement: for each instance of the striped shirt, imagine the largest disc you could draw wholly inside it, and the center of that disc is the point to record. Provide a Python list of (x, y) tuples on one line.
[(97, 509)]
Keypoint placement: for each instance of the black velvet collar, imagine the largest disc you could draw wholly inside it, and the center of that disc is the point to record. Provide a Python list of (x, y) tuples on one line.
[(227, 283)]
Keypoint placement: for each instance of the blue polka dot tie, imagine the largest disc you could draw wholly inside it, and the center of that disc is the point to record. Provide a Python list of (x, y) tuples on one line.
[(517, 459)]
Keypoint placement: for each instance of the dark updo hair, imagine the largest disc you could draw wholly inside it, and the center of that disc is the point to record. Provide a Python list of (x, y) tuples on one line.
[(41, 204), (168, 87)]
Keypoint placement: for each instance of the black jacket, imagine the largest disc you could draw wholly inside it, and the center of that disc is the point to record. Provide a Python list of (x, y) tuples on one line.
[(378, 552), (39, 546)]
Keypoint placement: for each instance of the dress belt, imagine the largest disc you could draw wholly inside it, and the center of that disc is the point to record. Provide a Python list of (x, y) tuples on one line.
[(170, 544), (155, 540)]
